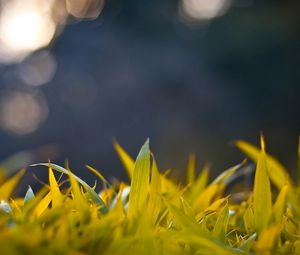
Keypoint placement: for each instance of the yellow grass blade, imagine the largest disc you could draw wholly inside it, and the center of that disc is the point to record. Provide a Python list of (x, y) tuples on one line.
[(140, 181), (249, 220), (280, 204), (7, 187), (191, 169), (193, 233), (56, 196), (262, 200), (127, 161), (79, 200), (154, 204), (43, 205), (220, 228), (277, 172), (98, 174), (216, 204), (205, 197), (228, 173), (267, 239), (95, 197), (199, 184)]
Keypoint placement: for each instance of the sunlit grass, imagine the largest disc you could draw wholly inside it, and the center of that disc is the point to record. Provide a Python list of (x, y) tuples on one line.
[(153, 214)]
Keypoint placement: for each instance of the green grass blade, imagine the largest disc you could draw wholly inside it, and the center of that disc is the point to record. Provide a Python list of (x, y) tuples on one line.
[(94, 196), (262, 199), (140, 181)]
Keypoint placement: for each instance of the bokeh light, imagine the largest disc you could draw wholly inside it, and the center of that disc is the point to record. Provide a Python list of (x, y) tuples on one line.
[(203, 10), (38, 69), (84, 8), (25, 26), (22, 112)]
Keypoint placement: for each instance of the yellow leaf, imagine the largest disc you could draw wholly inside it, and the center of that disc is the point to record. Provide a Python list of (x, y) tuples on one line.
[(220, 228), (154, 204), (98, 174), (280, 203), (205, 197), (199, 184), (267, 239), (140, 181), (212, 208), (43, 205), (262, 200), (224, 176), (56, 196), (80, 202), (277, 172), (216, 204), (191, 169), (127, 161), (7, 187), (248, 218)]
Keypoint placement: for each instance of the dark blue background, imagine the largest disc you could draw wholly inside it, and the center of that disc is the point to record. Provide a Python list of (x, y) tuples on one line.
[(138, 71)]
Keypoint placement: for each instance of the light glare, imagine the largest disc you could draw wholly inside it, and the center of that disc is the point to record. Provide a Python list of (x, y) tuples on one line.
[(25, 26), (204, 9), (22, 113)]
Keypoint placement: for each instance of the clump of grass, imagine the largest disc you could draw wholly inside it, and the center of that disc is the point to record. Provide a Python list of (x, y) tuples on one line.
[(154, 215)]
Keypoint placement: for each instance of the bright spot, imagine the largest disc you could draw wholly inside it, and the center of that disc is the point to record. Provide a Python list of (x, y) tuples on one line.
[(25, 26), (204, 9), (84, 8), (22, 113), (38, 69)]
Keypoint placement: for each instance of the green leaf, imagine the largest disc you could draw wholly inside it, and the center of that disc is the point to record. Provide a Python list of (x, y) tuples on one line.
[(262, 199), (154, 204), (94, 196), (140, 181)]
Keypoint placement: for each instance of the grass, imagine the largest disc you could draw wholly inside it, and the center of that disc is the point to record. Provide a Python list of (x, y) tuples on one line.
[(155, 215)]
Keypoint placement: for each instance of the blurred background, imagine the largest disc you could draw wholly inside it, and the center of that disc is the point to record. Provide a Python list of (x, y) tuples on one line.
[(193, 75)]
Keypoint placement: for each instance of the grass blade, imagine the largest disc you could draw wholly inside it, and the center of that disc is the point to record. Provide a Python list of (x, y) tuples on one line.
[(278, 173), (127, 161), (94, 196), (262, 200), (7, 188), (140, 181)]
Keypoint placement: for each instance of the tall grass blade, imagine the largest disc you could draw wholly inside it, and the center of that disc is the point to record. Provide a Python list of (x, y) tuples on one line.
[(140, 181), (7, 187), (262, 200), (127, 161), (278, 173)]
